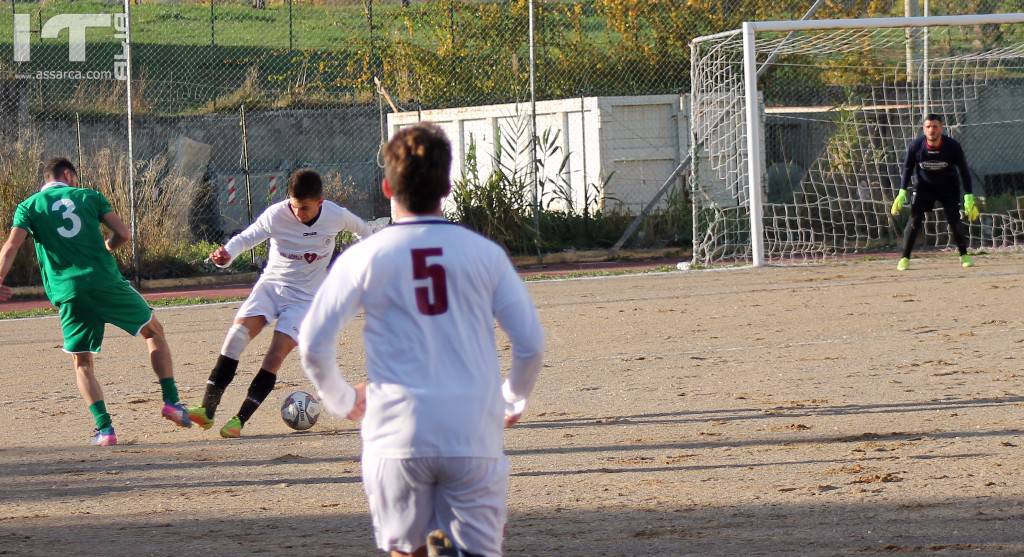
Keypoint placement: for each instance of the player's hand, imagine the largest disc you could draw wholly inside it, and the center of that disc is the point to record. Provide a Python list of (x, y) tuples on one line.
[(514, 411), (899, 202), (6, 292), (220, 256), (359, 408), (971, 207)]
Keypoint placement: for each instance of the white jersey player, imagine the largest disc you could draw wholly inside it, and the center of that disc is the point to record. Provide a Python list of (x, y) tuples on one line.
[(434, 403), (302, 231)]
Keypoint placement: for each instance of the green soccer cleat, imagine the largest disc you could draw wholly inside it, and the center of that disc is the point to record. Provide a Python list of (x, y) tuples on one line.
[(966, 261), (198, 416), (232, 429), (904, 264)]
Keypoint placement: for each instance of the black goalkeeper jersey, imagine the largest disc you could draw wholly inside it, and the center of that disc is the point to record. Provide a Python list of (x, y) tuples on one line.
[(939, 170)]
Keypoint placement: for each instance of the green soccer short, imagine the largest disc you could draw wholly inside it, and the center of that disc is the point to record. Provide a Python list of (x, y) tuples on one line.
[(84, 317)]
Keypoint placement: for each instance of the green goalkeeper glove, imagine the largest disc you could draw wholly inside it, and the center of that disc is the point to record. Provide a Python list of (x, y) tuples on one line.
[(899, 202), (971, 207)]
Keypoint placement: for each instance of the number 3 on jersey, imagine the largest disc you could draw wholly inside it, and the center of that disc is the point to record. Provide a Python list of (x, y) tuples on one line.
[(433, 299), (69, 215)]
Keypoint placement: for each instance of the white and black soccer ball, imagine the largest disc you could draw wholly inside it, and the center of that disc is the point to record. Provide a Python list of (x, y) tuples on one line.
[(300, 410)]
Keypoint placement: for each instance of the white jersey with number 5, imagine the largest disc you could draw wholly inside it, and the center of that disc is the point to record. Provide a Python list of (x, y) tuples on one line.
[(431, 291)]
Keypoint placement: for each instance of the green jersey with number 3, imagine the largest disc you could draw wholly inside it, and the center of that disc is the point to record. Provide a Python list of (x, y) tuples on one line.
[(65, 221)]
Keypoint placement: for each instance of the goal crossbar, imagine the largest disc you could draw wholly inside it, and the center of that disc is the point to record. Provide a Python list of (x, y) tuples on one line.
[(867, 23)]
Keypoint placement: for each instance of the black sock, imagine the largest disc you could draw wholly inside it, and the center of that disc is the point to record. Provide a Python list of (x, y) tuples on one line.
[(260, 387), (221, 376), (910, 233), (952, 209)]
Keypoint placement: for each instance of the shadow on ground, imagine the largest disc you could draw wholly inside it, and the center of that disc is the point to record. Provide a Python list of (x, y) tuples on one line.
[(952, 527)]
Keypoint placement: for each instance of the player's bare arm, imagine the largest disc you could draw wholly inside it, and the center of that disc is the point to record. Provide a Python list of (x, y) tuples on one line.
[(7, 254), (121, 234)]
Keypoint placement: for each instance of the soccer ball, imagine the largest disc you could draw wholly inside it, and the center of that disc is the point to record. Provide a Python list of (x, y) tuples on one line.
[(300, 410)]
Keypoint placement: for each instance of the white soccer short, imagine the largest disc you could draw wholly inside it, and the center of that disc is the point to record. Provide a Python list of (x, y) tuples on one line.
[(410, 497), (276, 301)]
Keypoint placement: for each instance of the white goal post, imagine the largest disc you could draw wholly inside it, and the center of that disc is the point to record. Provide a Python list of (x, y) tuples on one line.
[(734, 159)]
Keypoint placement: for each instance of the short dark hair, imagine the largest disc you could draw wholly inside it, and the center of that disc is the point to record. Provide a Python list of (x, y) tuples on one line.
[(417, 165), (932, 117), (57, 167), (305, 184)]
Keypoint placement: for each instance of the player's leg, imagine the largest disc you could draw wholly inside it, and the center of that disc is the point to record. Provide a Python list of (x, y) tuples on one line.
[(92, 393), (920, 204), (951, 207), (242, 331), (160, 358), (285, 339), (123, 306), (469, 503), (257, 310), (262, 384), (400, 492), (83, 336)]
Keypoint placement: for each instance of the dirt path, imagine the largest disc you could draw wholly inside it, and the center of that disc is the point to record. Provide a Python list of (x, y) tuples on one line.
[(821, 410)]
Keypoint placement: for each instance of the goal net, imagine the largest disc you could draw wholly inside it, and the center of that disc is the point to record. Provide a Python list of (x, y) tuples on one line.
[(813, 173)]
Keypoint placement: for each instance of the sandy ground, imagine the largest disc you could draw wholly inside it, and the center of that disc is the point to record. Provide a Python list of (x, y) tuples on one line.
[(819, 410)]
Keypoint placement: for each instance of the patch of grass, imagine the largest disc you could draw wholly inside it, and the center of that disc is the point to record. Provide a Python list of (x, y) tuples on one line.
[(162, 302), (193, 300), (26, 313)]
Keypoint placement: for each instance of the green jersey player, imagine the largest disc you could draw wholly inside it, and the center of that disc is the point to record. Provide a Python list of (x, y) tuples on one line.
[(81, 278)]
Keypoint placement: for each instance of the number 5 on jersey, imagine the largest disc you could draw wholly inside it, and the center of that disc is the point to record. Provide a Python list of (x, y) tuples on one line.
[(432, 299)]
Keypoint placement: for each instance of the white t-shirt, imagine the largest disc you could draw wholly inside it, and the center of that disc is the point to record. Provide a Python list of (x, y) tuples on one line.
[(299, 253), (431, 291)]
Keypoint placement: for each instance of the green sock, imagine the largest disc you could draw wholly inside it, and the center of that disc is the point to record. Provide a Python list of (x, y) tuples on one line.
[(99, 413), (169, 390)]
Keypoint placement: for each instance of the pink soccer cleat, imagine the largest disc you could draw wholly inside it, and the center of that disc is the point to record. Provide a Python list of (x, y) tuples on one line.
[(177, 413), (104, 437)]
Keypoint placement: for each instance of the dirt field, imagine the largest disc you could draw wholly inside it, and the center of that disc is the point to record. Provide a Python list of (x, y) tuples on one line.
[(824, 410)]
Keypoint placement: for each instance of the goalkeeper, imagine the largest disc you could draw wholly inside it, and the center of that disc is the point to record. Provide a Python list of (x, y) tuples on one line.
[(938, 163)]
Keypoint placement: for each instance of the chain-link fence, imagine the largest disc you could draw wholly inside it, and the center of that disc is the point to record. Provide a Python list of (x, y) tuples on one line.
[(229, 97)]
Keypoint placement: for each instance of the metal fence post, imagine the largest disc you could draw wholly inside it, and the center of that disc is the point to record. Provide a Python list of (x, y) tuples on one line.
[(245, 172), (369, 23), (78, 134), (131, 155), (451, 21), (290, 42), (533, 130), (583, 153), (213, 41)]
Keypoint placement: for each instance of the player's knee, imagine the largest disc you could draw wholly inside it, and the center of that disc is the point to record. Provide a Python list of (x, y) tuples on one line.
[(153, 329), (82, 362), (253, 324), (282, 344), (237, 339)]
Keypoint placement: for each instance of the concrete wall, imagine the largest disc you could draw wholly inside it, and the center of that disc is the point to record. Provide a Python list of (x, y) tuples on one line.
[(342, 141)]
